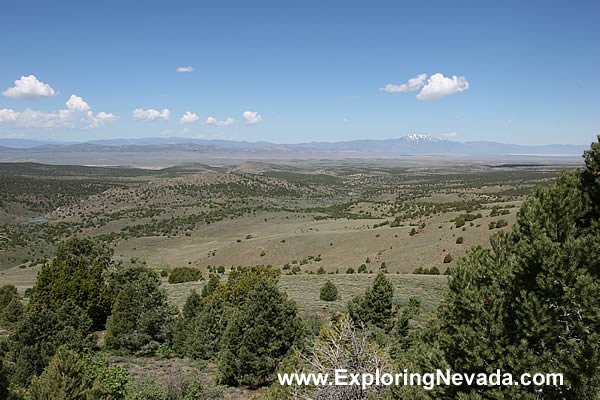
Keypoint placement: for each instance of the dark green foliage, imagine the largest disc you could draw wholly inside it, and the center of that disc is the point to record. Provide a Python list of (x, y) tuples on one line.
[(76, 273), (3, 380), (531, 303), (375, 306), (210, 286), (448, 258), (185, 274), (242, 280), (321, 271), (41, 332), (7, 294), (413, 232), (140, 317), (350, 270), (11, 314), (206, 330), (63, 379), (460, 240), (362, 268), (427, 271), (328, 292), (258, 336)]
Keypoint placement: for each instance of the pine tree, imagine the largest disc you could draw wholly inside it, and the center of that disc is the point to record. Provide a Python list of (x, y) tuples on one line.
[(63, 379), (258, 336), (375, 306)]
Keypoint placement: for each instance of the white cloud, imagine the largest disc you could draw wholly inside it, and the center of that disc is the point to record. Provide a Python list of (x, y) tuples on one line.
[(8, 115), (76, 104), (439, 86), (214, 121), (189, 117), (450, 134), (252, 117), (29, 88), (77, 115), (185, 69), (151, 114), (413, 84)]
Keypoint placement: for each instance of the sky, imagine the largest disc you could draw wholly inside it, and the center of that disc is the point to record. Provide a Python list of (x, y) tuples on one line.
[(524, 72)]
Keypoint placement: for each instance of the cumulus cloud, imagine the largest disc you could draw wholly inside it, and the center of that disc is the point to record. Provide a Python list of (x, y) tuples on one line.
[(214, 121), (151, 114), (412, 85), (439, 86), (189, 117), (30, 88), (185, 69), (76, 115), (76, 104), (252, 117), (8, 115)]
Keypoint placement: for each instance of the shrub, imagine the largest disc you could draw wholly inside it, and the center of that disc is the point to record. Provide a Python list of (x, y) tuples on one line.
[(448, 258), (185, 274), (362, 268), (328, 292), (350, 270), (459, 240), (321, 271)]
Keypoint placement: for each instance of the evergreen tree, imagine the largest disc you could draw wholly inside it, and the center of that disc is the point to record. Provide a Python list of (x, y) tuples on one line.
[(210, 286), (207, 328), (259, 335), (11, 314), (76, 273), (328, 292), (375, 306), (532, 302), (140, 318), (63, 379), (41, 332)]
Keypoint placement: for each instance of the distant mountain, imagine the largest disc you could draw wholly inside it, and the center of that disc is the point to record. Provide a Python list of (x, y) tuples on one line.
[(406, 145), (23, 143)]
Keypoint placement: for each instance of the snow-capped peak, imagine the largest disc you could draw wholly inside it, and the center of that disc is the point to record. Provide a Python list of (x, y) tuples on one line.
[(416, 138)]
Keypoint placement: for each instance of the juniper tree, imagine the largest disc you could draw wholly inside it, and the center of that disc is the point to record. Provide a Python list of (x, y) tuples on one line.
[(328, 292), (41, 332), (258, 336), (140, 318), (76, 273), (375, 307)]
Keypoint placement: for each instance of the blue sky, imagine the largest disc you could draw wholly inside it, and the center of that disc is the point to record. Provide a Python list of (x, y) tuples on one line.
[(524, 72)]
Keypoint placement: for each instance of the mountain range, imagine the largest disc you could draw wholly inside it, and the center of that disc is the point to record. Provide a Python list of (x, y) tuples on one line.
[(406, 145)]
